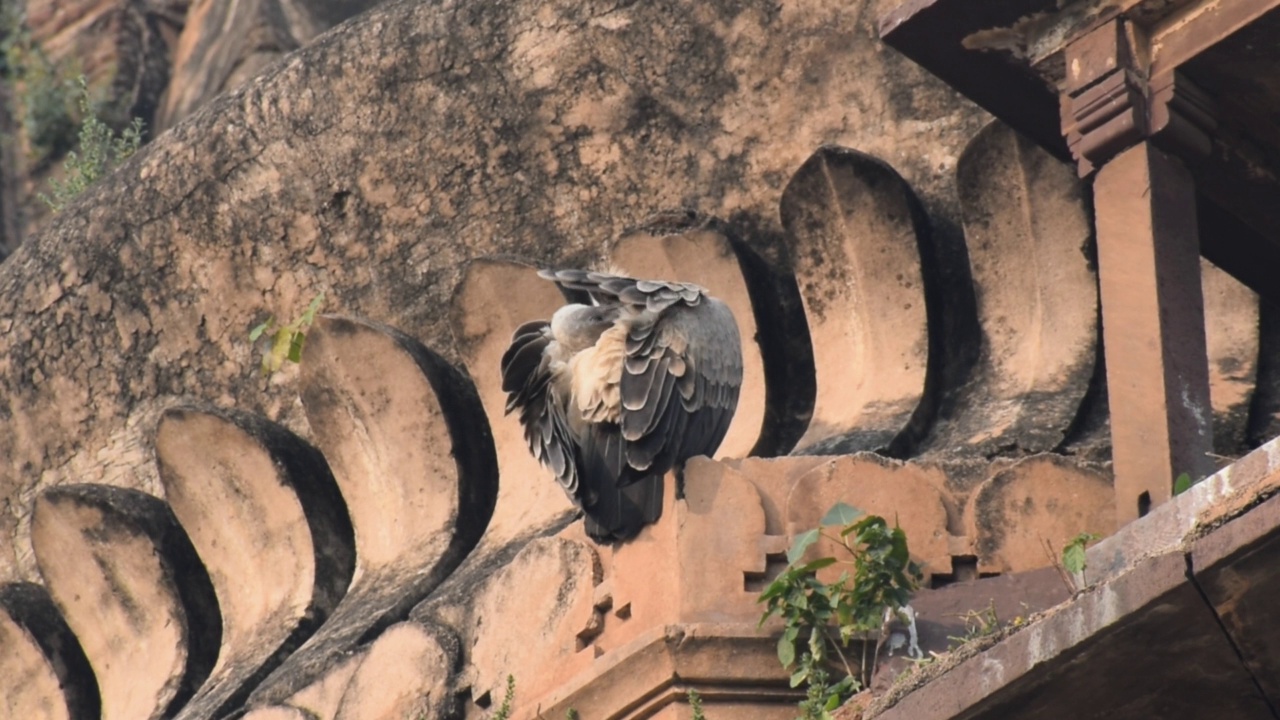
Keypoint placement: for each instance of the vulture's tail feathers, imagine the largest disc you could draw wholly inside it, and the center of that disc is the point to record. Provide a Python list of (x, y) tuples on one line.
[(618, 509)]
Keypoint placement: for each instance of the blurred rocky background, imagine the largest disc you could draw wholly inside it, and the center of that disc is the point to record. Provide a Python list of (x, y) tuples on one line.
[(153, 61)]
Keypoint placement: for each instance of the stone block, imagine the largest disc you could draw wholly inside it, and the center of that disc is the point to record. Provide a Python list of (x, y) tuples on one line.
[(855, 229), (905, 494), (564, 611), (1023, 516), (534, 620), (1116, 641), (128, 581), (733, 667), (404, 674), (773, 478), (265, 514), (1235, 566), (1221, 496)]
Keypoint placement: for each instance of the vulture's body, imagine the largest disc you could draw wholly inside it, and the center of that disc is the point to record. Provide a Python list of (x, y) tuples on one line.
[(614, 394)]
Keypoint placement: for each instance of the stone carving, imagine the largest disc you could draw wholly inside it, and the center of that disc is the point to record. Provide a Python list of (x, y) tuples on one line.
[(856, 230), (266, 518), (132, 589), (1021, 516), (412, 455), (456, 568), (43, 670), (906, 494), (1029, 239)]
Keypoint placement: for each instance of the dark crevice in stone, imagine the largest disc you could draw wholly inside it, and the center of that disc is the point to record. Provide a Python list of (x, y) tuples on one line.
[(1264, 407), (786, 349)]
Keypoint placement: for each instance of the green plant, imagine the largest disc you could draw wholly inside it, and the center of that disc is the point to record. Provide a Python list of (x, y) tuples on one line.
[(978, 624), (1073, 555), (695, 702), (571, 714), (100, 149), (1182, 484), (288, 340), (504, 710), (859, 605), (44, 96)]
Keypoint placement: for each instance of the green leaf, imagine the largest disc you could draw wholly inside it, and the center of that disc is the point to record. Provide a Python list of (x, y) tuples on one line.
[(1182, 484), (816, 565), (840, 514), (776, 588), (256, 332), (799, 676), (1074, 559), (295, 346), (786, 651), (802, 543)]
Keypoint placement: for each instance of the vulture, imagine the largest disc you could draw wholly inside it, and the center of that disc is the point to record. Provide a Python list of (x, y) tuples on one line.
[(614, 394)]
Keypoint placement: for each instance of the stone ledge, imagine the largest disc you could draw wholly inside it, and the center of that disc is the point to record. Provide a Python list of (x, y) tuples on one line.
[(1179, 623), (726, 663)]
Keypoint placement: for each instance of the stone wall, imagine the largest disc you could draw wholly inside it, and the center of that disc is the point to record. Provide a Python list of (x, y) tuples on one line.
[(376, 161), (919, 309)]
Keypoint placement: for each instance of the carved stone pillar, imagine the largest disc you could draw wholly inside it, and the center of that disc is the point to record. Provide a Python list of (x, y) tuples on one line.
[(1114, 115)]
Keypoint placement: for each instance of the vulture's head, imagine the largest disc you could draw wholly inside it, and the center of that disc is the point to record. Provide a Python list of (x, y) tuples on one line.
[(578, 327)]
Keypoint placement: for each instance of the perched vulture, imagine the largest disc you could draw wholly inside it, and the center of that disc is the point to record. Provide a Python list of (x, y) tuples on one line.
[(614, 394)]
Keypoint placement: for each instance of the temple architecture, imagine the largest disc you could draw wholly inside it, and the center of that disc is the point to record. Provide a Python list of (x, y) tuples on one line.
[(1002, 272)]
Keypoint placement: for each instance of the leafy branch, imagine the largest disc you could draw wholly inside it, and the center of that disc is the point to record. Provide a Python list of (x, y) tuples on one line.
[(504, 710), (100, 150), (286, 341), (820, 619)]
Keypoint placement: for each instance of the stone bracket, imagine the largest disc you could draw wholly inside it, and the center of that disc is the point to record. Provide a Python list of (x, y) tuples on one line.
[(1110, 102)]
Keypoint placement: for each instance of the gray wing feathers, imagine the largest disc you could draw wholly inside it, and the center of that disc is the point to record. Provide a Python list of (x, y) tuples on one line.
[(680, 383), (679, 387), (526, 378)]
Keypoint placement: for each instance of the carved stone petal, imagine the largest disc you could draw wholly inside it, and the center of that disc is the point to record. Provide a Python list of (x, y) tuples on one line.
[(132, 589), (43, 671), (265, 514), (412, 454), (855, 228)]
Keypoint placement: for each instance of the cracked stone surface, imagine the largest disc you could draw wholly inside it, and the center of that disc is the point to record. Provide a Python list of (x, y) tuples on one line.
[(377, 159)]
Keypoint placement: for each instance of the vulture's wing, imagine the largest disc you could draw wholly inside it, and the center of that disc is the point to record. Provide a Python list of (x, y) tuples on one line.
[(526, 378), (681, 374)]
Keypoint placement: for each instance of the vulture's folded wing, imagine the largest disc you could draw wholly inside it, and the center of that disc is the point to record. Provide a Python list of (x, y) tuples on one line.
[(680, 383), (526, 378)]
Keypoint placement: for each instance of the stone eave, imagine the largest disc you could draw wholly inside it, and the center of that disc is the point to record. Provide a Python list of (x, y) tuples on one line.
[(1051, 73)]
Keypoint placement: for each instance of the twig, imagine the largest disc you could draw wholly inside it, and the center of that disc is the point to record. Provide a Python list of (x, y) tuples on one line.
[(1057, 565)]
